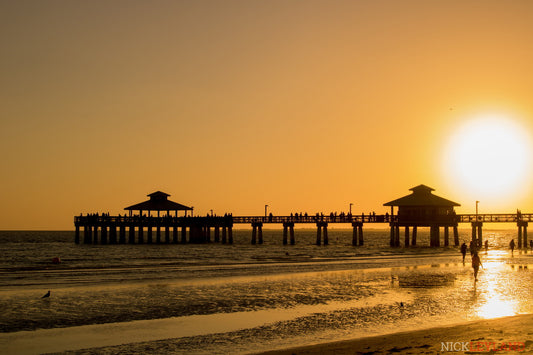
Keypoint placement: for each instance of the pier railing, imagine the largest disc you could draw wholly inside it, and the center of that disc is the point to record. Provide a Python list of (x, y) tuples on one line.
[(229, 219), (496, 217), (313, 219)]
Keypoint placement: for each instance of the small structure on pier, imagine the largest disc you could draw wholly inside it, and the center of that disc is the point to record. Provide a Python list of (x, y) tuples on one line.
[(423, 209), (158, 202)]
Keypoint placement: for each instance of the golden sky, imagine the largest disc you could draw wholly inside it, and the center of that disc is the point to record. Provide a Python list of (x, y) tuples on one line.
[(306, 106)]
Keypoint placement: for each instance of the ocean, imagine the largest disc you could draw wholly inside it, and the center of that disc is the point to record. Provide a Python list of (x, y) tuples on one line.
[(242, 298)]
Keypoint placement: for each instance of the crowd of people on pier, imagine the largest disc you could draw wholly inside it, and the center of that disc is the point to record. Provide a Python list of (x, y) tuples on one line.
[(333, 217)]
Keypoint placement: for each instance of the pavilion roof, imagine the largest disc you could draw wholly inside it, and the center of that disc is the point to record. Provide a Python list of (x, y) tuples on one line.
[(158, 202), (421, 196)]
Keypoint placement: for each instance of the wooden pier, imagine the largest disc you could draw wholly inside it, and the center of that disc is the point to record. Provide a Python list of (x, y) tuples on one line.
[(144, 228), (97, 229)]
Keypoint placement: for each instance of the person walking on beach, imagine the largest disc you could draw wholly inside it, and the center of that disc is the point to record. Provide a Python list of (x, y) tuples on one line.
[(511, 245), (472, 247), (486, 246), (476, 262), (463, 251)]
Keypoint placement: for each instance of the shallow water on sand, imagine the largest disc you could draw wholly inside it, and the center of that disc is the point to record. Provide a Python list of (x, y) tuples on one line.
[(275, 301)]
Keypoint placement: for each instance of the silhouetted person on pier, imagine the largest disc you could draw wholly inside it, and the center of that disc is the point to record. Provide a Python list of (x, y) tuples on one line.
[(512, 245), (476, 263), (463, 251), (46, 295)]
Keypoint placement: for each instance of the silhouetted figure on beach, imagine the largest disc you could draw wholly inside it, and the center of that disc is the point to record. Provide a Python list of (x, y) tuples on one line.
[(472, 247), (512, 245), (476, 263), (486, 246), (531, 244), (463, 251), (46, 295)]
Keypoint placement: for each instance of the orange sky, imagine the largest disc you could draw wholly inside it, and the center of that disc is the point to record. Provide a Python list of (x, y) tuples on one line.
[(230, 105)]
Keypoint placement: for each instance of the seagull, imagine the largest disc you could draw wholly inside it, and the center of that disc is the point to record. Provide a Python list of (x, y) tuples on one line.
[(47, 294)]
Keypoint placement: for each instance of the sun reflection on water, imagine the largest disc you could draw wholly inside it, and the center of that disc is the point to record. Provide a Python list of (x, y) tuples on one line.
[(497, 307), (494, 300)]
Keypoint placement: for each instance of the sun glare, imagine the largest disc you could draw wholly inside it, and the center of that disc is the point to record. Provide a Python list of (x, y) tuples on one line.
[(489, 156)]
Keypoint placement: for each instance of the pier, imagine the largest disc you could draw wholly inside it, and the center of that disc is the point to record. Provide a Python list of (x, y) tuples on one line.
[(419, 209)]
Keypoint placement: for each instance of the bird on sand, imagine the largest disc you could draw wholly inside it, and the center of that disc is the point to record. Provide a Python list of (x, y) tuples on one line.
[(46, 295)]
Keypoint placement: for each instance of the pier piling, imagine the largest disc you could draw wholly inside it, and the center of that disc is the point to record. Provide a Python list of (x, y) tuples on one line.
[(217, 234), (175, 234), (95, 234), (113, 233), (149, 235), (291, 233), (122, 234), (522, 234), (140, 234), (183, 234), (230, 234), (318, 233), (103, 238), (254, 232), (167, 234), (131, 234)]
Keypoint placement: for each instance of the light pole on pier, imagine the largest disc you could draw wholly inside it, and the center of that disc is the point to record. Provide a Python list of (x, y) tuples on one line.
[(266, 206), (351, 204), (477, 202), (211, 213)]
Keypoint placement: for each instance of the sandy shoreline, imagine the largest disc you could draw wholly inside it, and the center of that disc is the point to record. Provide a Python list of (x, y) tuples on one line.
[(509, 335)]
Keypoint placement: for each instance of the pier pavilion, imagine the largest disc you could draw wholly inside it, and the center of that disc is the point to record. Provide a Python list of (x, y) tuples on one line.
[(423, 209), (158, 202)]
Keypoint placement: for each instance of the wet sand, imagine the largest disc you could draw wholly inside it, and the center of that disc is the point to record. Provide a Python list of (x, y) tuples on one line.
[(249, 308), (508, 335)]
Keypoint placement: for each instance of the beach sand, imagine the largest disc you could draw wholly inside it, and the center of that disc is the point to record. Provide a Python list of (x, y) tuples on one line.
[(509, 334)]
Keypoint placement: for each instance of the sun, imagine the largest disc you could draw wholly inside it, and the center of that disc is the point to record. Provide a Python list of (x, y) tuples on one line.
[(489, 157)]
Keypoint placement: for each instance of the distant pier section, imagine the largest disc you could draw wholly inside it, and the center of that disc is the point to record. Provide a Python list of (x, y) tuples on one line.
[(160, 220)]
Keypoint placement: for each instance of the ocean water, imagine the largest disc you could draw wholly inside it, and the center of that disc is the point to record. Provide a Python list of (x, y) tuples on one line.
[(243, 298)]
